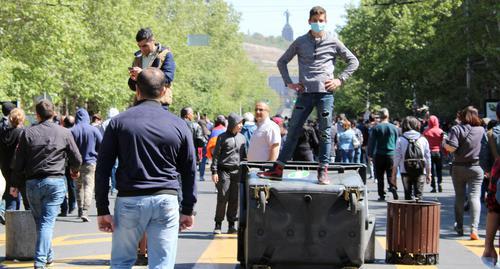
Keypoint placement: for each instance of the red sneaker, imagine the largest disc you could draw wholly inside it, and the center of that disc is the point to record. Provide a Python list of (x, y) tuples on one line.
[(323, 175), (275, 173)]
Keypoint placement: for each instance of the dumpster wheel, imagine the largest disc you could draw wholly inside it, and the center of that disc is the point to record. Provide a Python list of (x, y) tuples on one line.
[(353, 203)]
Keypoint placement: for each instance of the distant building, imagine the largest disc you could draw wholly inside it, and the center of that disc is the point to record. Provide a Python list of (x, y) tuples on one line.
[(287, 32)]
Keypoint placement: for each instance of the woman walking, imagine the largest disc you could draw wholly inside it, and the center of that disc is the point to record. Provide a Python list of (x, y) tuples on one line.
[(464, 141)]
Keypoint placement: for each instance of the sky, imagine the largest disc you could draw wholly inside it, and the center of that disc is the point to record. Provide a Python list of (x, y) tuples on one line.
[(267, 16)]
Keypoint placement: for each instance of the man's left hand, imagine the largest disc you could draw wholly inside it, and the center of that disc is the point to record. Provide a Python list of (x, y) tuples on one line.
[(333, 84), (186, 222), (428, 178)]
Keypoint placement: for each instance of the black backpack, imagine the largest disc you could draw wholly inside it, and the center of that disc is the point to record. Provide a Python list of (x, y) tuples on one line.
[(414, 161)]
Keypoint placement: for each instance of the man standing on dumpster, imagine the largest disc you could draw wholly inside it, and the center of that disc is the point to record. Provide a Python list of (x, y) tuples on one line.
[(40, 161)]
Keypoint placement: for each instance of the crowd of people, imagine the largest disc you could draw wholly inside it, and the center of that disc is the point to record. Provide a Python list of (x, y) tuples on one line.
[(152, 158)]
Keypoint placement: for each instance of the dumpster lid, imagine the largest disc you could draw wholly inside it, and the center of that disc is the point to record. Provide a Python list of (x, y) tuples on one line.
[(306, 180)]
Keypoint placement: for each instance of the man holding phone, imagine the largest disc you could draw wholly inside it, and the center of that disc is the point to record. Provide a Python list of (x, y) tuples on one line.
[(151, 54)]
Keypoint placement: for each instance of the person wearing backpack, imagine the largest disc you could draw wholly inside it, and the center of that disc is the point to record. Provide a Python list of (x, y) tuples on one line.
[(413, 158)]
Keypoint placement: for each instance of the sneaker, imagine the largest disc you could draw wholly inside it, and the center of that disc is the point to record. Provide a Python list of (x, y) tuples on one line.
[(142, 259), (85, 218), (489, 261), (231, 229), (459, 230), (381, 199), (218, 228), (80, 212), (440, 188), (49, 262), (62, 214), (323, 175), (275, 173), (433, 190), (474, 236)]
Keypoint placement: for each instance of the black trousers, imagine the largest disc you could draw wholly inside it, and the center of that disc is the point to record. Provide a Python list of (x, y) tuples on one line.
[(383, 166), (227, 195), (413, 185), (437, 168)]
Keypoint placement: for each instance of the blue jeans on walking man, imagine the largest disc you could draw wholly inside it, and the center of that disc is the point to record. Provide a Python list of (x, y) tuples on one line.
[(158, 216), (45, 197), (304, 105)]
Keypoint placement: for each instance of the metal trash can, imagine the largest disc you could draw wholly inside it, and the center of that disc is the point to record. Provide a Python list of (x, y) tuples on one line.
[(20, 235), (413, 232)]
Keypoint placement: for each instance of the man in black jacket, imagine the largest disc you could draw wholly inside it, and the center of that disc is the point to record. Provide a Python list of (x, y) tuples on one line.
[(40, 162), (155, 154), (229, 151)]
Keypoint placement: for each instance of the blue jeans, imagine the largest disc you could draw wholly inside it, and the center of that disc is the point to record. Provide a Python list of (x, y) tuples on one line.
[(45, 197), (347, 155), (304, 105), (158, 216), (203, 164)]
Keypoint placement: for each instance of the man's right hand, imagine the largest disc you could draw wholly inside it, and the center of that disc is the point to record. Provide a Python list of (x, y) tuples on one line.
[(105, 223), (75, 174), (298, 87), (134, 72), (215, 178)]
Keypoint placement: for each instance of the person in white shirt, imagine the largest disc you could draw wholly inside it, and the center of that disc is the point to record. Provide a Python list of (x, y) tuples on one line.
[(266, 140)]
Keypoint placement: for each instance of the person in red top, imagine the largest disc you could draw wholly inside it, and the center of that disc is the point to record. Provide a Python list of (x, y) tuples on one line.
[(435, 136)]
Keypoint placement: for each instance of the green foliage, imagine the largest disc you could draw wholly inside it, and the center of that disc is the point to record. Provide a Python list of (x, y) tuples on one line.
[(78, 52), (422, 47)]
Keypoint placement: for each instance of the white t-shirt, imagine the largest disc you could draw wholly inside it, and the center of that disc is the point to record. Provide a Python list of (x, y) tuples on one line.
[(266, 134)]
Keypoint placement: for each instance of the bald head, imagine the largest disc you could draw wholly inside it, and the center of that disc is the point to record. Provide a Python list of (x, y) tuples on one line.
[(151, 83), (261, 111)]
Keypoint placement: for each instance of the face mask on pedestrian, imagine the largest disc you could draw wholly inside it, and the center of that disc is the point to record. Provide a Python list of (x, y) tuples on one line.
[(318, 26)]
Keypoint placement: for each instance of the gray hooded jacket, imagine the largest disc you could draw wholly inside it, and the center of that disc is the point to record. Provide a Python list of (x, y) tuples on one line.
[(230, 148)]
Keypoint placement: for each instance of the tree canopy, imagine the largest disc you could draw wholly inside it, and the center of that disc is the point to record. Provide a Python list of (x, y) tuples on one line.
[(417, 52), (78, 51)]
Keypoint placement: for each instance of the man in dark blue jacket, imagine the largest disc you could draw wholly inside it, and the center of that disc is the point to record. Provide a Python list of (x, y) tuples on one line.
[(155, 154), (88, 139)]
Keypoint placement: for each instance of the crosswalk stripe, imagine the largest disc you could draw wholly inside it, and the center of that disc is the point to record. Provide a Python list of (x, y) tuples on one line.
[(381, 240)]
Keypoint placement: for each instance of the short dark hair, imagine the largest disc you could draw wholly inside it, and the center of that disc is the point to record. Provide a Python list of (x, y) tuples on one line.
[(7, 107), (410, 123), (144, 33), (317, 10), (469, 115), (151, 82), (45, 109), (185, 111)]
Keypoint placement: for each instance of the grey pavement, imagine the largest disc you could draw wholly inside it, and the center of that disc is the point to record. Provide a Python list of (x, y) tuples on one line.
[(81, 245)]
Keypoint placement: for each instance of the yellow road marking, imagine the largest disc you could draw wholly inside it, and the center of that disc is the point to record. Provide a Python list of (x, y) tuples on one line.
[(68, 240), (382, 242), (475, 246), (222, 250), (63, 262)]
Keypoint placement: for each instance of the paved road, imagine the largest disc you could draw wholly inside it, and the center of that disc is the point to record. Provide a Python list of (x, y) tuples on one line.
[(81, 245)]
